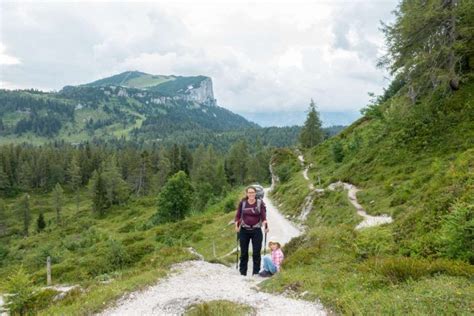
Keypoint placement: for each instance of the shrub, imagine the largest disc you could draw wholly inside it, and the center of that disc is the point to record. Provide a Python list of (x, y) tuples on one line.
[(117, 254), (230, 205), (337, 151), (400, 269), (457, 233), (375, 241), (175, 199), (137, 251), (21, 289), (3, 253)]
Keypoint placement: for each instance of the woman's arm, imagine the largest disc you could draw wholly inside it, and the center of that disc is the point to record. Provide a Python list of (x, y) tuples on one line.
[(238, 216)]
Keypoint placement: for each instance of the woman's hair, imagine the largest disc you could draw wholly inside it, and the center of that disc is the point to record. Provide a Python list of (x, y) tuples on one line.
[(250, 187)]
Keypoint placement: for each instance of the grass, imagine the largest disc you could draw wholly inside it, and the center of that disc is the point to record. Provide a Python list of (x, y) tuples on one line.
[(122, 249), (422, 177), (219, 308)]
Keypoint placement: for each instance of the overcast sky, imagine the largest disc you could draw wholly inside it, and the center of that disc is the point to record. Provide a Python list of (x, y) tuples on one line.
[(261, 55)]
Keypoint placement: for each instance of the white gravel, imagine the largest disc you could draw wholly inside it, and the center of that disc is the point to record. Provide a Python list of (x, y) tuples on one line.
[(369, 220), (200, 281)]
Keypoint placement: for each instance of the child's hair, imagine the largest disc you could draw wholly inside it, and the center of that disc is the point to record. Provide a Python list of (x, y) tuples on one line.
[(275, 243)]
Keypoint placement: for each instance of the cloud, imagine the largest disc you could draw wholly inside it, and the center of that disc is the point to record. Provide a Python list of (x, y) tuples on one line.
[(262, 56)]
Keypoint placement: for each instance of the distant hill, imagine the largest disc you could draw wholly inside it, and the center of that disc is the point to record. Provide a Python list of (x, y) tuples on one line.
[(134, 106)]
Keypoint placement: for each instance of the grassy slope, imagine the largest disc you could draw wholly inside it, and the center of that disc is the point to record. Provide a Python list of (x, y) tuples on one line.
[(413, 171), (122, 248)]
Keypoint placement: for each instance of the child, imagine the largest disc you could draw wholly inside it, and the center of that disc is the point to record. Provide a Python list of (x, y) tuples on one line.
[(272, 263)]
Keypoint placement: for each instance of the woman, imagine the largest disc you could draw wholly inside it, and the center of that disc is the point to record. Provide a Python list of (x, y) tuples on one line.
[(250, 217)]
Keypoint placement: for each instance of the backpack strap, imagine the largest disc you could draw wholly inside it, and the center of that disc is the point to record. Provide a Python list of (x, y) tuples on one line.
[(259, 212), (242, 206)]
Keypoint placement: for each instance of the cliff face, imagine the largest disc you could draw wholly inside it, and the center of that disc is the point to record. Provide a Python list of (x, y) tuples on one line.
[(159, 89), (202, 93)]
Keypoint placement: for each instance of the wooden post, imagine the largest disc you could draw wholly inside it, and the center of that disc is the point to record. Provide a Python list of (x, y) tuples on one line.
[(48, 271)]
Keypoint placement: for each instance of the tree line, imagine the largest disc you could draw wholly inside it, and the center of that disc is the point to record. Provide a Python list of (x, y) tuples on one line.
[(111, 175)]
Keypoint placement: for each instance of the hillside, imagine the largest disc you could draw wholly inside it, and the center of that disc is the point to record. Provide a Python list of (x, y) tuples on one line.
[(414, 163), (136, 107)]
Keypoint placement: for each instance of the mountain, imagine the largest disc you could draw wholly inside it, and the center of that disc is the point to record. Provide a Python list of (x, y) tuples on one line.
[(133, 106), (130, 105), (190, 89)]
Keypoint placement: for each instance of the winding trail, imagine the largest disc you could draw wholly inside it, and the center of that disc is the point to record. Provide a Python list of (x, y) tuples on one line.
[(369, 220), (199, 281)]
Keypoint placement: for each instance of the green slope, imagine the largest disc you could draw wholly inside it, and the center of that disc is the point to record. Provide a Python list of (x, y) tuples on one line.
[(413, 162)]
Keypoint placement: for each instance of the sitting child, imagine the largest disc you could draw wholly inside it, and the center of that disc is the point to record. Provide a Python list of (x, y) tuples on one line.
[(272, 263)]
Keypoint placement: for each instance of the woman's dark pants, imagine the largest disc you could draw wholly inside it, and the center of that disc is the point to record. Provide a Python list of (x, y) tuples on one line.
[(245, 236)]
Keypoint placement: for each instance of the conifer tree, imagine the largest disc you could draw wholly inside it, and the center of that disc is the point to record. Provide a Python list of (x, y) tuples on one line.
[(76, 180), (99, 194), (429, 44), (311, 133), (40, 222), (175, 198), (25, 211), (58, 201)]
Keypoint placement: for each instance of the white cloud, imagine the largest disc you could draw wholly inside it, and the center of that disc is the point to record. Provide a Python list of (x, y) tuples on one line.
[(6, 59), (262, 56)]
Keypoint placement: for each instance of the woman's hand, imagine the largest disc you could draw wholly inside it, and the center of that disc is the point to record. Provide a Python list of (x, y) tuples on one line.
[(237, 228)]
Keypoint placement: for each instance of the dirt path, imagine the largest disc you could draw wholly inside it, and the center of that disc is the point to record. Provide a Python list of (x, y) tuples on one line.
[(200, 281), (369, 220)]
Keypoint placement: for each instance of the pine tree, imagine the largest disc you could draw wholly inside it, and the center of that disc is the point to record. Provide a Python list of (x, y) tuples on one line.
[(40, 223), (175, 199), (429, 44), (117, 189), (75, 177), (4, 182), (58, 201), (311, 133), (337, 151), (143, 175), (164, 170), (237, 162), (25, 211), (3, 216), (99, 194)]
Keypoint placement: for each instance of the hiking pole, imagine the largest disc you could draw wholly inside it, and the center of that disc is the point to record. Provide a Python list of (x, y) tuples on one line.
[(237, 252), (265, 242)]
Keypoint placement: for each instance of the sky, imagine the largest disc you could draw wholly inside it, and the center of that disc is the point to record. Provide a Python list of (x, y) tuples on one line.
[(263, 56)]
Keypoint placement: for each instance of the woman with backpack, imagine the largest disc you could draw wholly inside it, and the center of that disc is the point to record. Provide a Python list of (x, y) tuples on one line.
[(250, 217)]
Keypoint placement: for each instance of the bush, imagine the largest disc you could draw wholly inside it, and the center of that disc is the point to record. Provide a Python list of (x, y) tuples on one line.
[(178, 233), (117, 254), (337, 151), (138, 250), (43, 298), (230, 205), (457, 233), (375, 241), (175, 199), (3, 253), (400, 269), (21, 289)]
